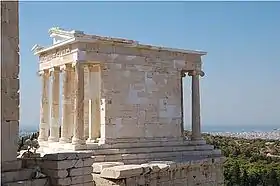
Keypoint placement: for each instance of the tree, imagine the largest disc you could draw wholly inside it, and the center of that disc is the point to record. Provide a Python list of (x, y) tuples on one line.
[(273, 181), (244, 179), (236, 173), (251, 154)]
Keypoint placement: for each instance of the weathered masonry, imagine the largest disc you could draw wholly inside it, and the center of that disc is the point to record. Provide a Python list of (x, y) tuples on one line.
[(121, 121), (128, 92), (12, 171), (122, 114), (9, 81)]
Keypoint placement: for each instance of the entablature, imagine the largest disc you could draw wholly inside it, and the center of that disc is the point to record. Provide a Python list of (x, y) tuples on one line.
[(73, 46)]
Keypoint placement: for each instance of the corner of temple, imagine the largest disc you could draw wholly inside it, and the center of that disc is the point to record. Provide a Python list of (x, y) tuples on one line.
[(100, 97)]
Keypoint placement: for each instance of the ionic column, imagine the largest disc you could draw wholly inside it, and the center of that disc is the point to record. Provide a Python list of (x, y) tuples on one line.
[(87, 88), (44, 114), (54, 128), (66, 104), (182, 75), (196, 126), (94, 103), (73, 94), (78, 132)]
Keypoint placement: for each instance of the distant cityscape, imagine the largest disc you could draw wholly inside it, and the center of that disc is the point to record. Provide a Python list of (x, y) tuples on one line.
[(272, 135), (268, 135)]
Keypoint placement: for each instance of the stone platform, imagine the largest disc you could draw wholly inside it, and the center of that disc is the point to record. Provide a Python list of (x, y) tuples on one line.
[(82, 169), (13, 173), (157, 162), (143, 151), (199, 171)]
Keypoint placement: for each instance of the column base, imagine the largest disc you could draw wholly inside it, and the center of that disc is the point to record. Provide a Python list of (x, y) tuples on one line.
[(42, 140), (77, 141), (92, 140), (198, 141), (196, 138), (60, 147), (64, 140), (53, 139)]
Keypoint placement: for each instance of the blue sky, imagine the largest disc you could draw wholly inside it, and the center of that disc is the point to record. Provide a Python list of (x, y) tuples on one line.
[(241, 86)]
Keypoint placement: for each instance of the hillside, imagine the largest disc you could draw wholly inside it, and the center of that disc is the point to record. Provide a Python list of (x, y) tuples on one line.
[(250, 162)]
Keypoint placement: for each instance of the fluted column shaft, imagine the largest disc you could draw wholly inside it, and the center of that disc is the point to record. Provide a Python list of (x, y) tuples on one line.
[(44, 114), (87, 89), (182, 75), (94, 103), (73, 98), (54, 129), (78, 135), (196, 125), (67, 107)]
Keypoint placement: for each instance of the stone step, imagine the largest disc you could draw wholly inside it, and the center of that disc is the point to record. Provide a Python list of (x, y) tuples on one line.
[(16, 175), (170, 158), (34, 182), (137, 150), (149, 144), (11, 165), (142, 157)]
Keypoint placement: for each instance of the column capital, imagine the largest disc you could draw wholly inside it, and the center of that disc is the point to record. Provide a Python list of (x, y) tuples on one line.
[(89, 66), (195, 73), (45, 72), (66, 66), (74, 64), (183, 73), (94, 67), (54, 69)]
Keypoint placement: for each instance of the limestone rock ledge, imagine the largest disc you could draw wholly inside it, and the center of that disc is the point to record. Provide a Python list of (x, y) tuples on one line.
[(80, 169), (63, 169), (14, 174), (206, 171)]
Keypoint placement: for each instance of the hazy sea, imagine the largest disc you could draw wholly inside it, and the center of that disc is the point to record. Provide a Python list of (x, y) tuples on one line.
[(238, 128), (205, 128)]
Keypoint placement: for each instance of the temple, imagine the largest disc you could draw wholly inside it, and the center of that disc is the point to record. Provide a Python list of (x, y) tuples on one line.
[(114, 90), (122, 114)]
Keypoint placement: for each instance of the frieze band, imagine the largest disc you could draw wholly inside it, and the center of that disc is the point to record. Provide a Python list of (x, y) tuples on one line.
[(56, 54)]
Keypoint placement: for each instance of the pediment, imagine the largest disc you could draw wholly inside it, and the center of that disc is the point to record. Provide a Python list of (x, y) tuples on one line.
[(59, 35)]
